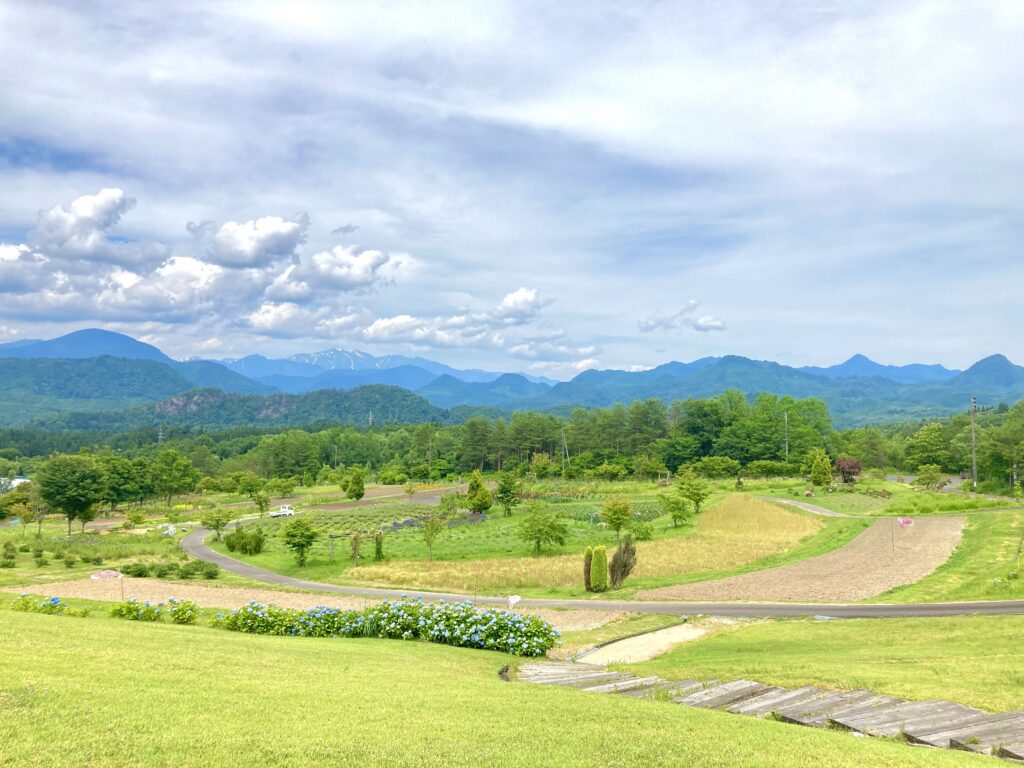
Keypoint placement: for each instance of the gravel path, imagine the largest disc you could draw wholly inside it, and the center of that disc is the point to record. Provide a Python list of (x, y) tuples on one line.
[(883, 557), (646, 646)]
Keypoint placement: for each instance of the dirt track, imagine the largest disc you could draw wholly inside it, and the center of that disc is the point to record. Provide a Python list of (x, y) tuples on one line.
[(883, 557)]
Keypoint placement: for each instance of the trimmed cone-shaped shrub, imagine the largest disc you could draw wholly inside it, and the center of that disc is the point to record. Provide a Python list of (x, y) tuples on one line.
[(587, 557), (623, 561), (599, 570)]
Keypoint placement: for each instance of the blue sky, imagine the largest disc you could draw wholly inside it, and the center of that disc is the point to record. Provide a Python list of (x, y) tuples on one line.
[(522, 186)]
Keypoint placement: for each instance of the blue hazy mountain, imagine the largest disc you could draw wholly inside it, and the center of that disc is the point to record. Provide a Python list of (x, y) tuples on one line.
[(94, 370), (91, 342), (316, 363), (407, 376), (860, 366), (510, 388)]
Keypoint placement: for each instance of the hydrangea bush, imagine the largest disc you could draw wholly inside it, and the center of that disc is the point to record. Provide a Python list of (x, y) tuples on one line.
[(51, 605), (182, 611), (133, 610), (458, 624)]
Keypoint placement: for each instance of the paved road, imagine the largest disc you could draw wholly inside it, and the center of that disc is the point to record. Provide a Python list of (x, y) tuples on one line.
[(194, 545)]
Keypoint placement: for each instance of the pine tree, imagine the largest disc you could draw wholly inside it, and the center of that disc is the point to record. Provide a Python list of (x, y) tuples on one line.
[(599, 570)]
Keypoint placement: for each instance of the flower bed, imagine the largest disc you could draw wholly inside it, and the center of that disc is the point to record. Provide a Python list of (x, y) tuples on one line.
[(458, 624)]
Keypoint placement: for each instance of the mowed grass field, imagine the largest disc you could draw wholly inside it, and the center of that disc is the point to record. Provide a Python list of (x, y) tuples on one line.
[(973, 660), (103, 692), (738, 532)]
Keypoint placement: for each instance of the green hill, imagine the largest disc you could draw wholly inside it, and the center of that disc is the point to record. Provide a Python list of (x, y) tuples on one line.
[(145, 695), (212, 408)]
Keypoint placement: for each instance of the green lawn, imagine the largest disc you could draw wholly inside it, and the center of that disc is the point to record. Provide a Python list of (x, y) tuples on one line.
[(102, 692), (974, 660), (904, 500), (980, 567)]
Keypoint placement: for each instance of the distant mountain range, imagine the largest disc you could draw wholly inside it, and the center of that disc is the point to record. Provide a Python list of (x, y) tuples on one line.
[(93, 371)]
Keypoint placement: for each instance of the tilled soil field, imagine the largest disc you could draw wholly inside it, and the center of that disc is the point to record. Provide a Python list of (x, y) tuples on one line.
[(883, 557)]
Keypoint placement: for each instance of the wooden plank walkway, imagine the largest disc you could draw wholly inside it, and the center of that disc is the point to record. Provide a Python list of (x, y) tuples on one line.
[(929, 723)]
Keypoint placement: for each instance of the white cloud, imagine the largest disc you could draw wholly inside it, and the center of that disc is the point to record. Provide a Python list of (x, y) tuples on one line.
[(258, 242), (684, 318), (521, 305), (345, 268), (81, 230)]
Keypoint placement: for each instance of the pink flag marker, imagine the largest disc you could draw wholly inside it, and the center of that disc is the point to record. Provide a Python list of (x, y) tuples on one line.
[(904, 522)]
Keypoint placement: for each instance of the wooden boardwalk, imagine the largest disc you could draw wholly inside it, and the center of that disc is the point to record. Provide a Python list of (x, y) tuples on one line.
[(926, 723)]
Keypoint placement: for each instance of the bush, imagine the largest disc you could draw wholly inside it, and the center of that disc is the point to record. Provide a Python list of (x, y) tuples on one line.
[(51, 605), (133, 610), (378, 545), (458, 624), (246, 539), (182, 611), (642, 531), (166, 571), (70, 561), (7, 562), (716, 466), (10, 550), (210, 571), (191, 569), (135, 570), (599, 570)]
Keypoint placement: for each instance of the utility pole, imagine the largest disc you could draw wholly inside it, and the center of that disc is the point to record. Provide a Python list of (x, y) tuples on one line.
[(160, 435), (371, 419), (974, 445), (785, 419)]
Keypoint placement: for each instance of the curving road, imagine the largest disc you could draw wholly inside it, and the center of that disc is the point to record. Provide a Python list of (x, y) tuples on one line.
[(194, 544)]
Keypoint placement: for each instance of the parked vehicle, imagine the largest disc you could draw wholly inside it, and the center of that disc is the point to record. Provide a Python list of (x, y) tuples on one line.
[(285, 510)]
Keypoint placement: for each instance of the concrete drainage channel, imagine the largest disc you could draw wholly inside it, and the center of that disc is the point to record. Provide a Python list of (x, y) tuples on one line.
[(865, 713)]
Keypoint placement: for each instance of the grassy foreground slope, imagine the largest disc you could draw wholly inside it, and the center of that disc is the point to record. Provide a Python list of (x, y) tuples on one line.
[(973, 660), (99, 692)]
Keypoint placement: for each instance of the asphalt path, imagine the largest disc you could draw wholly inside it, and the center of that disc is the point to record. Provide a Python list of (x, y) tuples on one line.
[(194, 544)]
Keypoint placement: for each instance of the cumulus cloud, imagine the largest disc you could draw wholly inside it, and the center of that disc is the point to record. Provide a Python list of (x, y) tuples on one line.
[(258, 242), (81, 229), (345, 229), (684, 318), (475, 329), (345, 268)]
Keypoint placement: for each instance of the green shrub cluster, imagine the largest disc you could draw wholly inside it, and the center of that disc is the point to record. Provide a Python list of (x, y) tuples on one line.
[(10, 553), (193, 569), (133, 610), (248, 540), (458, 624), (51, 605)]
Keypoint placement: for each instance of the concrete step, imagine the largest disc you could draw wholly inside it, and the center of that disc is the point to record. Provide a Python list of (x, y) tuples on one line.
[(885, 716)]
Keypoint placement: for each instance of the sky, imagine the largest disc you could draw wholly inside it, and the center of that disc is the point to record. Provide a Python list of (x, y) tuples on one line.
[(533, 186)]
